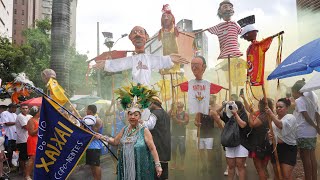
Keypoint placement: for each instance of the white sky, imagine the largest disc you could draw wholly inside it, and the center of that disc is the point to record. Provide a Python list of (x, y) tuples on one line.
[(120, 16)]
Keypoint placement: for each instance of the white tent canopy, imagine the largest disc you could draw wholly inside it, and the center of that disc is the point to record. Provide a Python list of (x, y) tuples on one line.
[(312, 84)]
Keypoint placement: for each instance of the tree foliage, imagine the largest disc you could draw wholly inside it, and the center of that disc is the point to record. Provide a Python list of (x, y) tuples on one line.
[(37, 51), (34, 56), (11, 59), (77, 74)]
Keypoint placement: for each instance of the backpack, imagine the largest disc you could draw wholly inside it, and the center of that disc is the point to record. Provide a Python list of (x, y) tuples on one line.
[(230, 136)]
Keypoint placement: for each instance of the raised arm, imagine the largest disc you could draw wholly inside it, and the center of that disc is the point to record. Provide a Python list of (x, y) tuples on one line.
[(246, 104), (113, 141), (254, 121), (240, 121), (274, 118)]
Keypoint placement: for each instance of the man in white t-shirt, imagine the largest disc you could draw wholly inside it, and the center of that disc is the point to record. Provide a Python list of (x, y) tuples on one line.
[(22, 135), (8, 118)]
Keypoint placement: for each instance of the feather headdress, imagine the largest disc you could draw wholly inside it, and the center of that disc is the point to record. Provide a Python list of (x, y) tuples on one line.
[(135, 97)]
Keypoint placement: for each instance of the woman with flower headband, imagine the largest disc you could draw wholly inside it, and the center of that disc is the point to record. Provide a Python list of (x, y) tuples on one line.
[(138, 157)]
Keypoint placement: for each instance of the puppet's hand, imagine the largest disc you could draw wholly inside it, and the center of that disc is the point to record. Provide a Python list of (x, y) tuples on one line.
[(99, 65), (177, 58)]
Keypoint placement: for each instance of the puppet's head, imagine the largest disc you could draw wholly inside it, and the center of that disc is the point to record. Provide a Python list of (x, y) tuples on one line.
[(47, 74), (249, 30), (198, 66), (225, 10), (167, 18), (138, 37)]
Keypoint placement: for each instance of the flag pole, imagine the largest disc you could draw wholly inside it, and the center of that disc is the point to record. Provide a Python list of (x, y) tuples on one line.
[(35, 89), (274, 145)]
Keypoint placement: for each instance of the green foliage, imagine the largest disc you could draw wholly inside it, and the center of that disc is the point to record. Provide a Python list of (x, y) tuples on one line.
[(77, 74), (11, 59), (37, 51), (34, 56)]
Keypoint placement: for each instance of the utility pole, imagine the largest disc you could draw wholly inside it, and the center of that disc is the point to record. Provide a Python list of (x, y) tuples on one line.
[(98, 71)]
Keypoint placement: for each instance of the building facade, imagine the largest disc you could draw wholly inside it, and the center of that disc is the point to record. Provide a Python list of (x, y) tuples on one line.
[(184, 26), (6, 8), (308, 14), (25, 14)]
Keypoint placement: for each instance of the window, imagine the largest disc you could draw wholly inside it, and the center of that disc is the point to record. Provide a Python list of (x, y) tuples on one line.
[(14, 41), (15, 1), (21, 42), (15, 21), (22, 2), (14, 32), (22, 12), (22, 22), (15, 11)]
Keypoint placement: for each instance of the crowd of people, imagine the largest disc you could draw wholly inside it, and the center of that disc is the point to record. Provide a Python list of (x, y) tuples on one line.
[(19, 133)]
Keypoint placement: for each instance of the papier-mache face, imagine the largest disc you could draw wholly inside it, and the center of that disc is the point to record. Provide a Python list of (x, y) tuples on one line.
[(167, 18), (138, 37), (225, 10)]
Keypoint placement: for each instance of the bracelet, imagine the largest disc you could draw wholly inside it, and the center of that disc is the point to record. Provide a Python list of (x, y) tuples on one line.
[(157, 164)]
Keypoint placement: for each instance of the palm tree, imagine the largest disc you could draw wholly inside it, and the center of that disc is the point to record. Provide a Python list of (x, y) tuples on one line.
[(60, 41)]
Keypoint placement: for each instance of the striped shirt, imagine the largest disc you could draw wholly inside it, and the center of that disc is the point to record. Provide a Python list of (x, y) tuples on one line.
[(227, 33)]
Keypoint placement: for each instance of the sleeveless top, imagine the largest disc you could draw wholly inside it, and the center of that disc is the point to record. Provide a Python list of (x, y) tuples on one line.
[(135, 159), (258, 136), (178, 129), (32, 139)]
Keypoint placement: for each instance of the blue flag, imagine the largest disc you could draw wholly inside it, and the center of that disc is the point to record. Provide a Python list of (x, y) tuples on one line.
[(60, 145)]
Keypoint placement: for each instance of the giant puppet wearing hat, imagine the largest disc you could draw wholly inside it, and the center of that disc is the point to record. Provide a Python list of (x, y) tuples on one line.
[(256, 50), (226, 31), (256, 61)]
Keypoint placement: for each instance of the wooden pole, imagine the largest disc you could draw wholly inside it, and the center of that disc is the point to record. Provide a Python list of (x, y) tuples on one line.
[(198, 119), (74, 109), (274, 145), (165, 92), (172, 92), (114, 109), (229, 76)]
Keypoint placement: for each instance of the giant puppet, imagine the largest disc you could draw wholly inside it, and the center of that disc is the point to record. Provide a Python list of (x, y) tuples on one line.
[(256, 62), (168, 36), (198, 89), (256, 50), (141, 64), (226, 31)]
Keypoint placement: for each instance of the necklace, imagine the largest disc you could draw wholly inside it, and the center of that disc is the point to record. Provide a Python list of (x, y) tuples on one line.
[(132, 131)]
